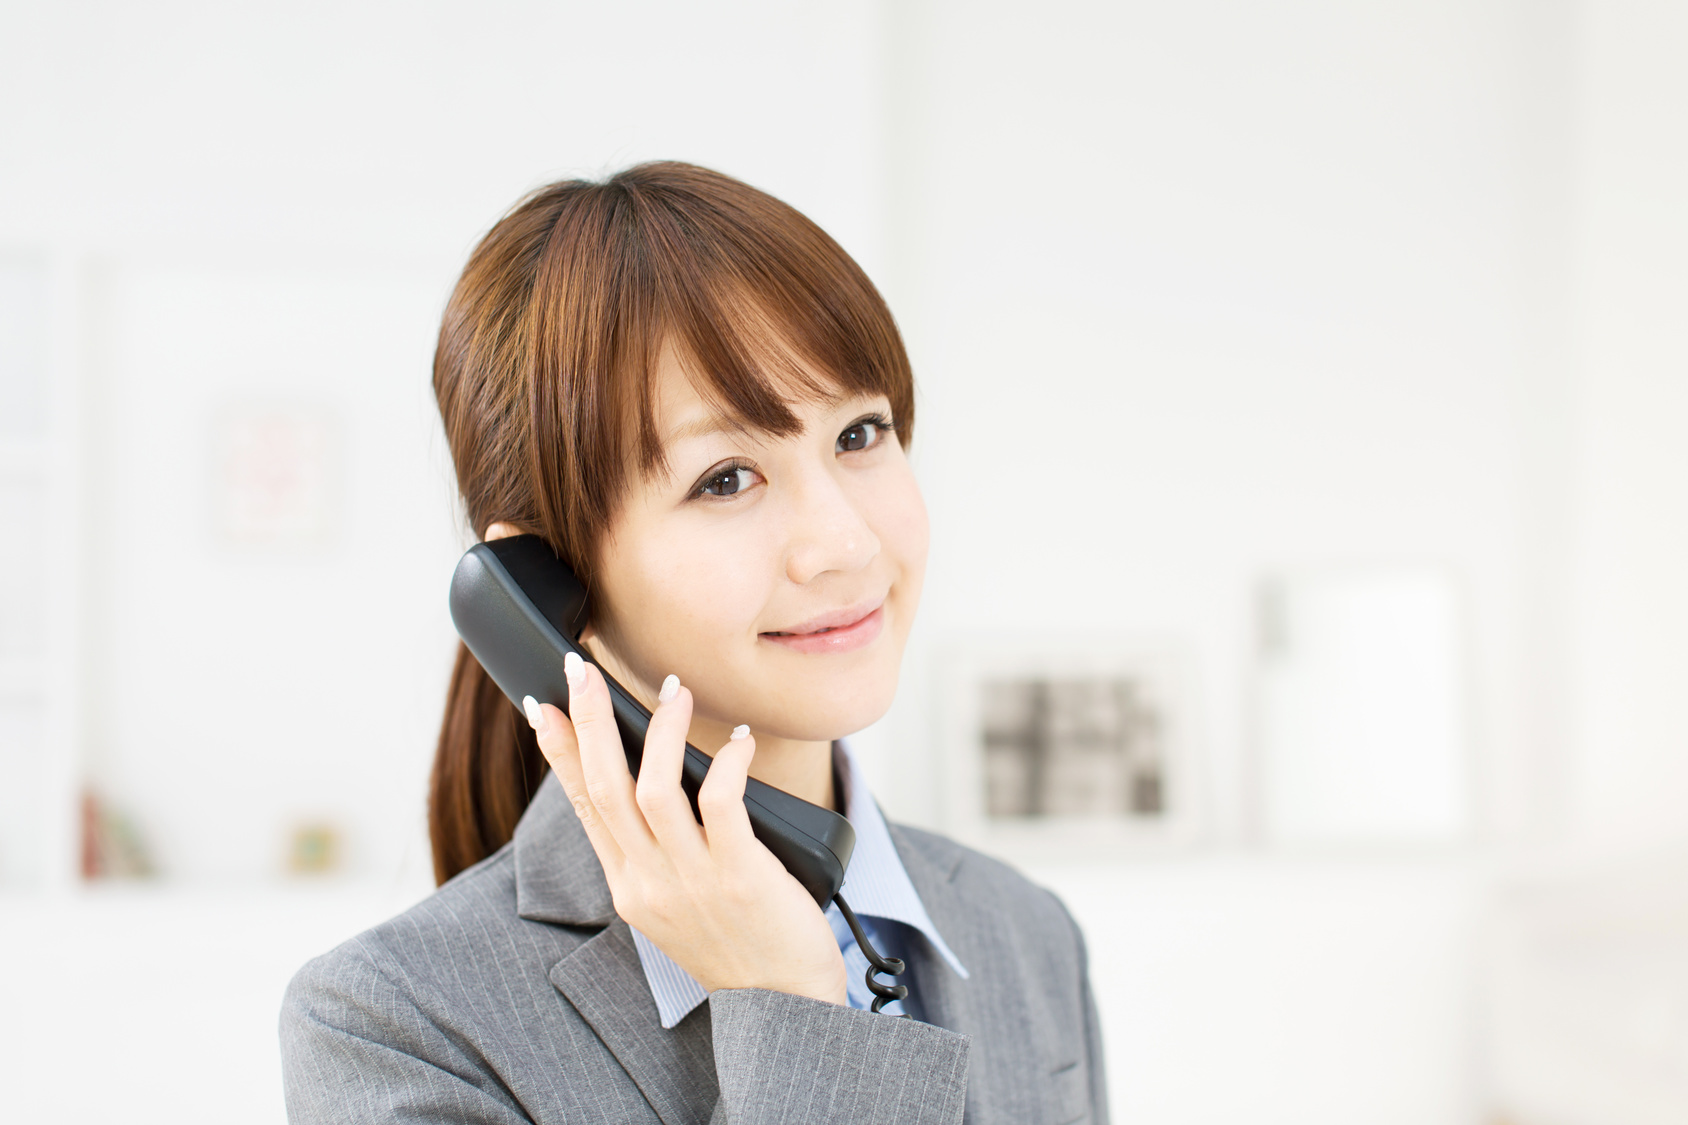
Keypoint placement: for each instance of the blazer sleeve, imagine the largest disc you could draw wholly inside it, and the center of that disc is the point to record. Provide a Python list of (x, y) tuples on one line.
[(355, 1048), (785, 1059)]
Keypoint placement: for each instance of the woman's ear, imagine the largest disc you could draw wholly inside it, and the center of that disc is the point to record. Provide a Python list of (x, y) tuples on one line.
[(501, 530)]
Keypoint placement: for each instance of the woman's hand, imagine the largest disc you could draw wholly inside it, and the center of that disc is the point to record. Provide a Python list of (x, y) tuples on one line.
[(710, 896)]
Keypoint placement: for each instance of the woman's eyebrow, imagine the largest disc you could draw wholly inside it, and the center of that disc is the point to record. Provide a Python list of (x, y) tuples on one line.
[(703, 426)]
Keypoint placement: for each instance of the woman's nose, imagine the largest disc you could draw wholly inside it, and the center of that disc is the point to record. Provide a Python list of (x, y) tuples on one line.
[(828, 532)]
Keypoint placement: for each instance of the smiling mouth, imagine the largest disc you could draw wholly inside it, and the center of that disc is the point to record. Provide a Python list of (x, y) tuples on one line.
[(815, 632), (844, 631)]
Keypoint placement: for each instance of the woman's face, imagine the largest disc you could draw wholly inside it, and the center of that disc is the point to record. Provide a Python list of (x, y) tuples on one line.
[(777, 577)]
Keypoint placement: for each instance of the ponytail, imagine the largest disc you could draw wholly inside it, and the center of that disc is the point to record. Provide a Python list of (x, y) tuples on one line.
[(486, 770)]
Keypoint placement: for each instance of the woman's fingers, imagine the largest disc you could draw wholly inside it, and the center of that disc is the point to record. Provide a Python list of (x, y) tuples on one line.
[(557, 742), (726, 824), (603, 762), (657, 790)]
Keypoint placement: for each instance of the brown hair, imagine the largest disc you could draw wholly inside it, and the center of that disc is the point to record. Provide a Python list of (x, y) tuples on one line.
[(543, 375)]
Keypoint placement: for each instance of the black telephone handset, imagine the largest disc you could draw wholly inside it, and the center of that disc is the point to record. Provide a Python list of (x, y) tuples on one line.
[(520, 609)]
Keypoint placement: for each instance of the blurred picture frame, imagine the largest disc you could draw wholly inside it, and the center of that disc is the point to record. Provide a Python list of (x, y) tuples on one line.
[(1053, 746), (275, 474)]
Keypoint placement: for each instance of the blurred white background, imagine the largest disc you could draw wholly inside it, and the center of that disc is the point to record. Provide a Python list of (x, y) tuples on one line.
[(1205, 300)]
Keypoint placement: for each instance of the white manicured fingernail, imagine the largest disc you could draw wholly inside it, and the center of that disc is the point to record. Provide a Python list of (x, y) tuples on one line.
[(670, 688), (536, 717), (740, 731), (575, 669)]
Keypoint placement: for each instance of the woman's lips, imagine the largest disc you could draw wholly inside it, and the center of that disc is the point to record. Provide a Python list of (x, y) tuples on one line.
[(840, 638)]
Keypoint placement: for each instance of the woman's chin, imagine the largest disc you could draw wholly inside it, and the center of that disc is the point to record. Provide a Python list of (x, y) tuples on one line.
[(829, 720)]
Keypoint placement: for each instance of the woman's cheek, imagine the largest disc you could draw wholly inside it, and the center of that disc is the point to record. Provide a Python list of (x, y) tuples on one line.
[(905, 530), (708, 599)]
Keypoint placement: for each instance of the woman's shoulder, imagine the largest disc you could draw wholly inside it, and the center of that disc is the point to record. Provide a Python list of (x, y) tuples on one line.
[(469, 927), (451, 1002)]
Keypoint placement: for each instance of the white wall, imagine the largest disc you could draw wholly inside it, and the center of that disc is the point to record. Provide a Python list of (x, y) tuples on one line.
[(346, 132), (1628, 782), (229, 699)]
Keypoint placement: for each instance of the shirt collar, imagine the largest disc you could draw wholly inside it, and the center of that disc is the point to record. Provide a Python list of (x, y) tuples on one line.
[(876, 885)]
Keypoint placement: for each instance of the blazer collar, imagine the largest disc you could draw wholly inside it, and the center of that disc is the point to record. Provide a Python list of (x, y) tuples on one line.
[(932, 864), (558, 877)]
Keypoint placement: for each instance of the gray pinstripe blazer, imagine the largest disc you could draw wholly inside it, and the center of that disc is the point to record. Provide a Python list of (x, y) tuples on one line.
[(514, 994)]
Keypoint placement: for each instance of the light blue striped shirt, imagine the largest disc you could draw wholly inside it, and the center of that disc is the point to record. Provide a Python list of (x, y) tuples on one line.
[(876, 886)]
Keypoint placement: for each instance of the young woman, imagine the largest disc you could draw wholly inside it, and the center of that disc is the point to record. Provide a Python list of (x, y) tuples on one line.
[(702, 404)]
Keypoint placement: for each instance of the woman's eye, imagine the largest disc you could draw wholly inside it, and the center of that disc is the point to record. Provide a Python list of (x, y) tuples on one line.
[(859, 436), (728, 482)]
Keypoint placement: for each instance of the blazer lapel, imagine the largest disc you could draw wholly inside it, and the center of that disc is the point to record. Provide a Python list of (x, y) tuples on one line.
[(675, 1070), (558, 876), (559, 880)]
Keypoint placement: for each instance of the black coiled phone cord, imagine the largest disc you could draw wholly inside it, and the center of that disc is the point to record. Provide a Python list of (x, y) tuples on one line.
[(883, 993)]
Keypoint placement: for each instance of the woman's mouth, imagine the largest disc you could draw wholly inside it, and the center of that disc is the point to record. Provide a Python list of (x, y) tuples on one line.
[(844, 631)]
